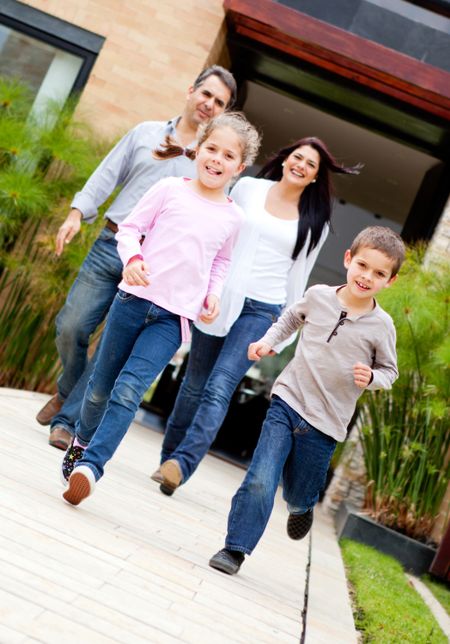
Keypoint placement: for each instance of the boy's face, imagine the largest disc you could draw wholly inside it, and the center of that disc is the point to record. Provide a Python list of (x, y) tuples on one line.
[(368, 271)]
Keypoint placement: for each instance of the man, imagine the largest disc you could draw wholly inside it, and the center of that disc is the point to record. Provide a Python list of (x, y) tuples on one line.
[(132, 166)]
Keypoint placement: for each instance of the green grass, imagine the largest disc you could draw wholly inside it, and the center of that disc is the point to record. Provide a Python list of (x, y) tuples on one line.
[(386, 608), (440, 590)]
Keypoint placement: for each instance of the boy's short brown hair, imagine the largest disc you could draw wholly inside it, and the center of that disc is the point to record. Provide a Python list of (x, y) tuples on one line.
[(383, 239)]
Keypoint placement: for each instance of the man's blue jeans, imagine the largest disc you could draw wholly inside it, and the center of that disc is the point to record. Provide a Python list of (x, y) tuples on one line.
[(215, 368), (289, 447), (85, 308), (139, 340)]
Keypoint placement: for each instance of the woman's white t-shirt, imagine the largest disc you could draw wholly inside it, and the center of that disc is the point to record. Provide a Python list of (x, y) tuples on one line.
[(251, 195), (272, 259)]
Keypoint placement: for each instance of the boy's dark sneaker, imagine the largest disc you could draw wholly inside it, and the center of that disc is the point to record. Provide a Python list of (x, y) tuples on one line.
[(298, 525), (72, 455), (228, 561)]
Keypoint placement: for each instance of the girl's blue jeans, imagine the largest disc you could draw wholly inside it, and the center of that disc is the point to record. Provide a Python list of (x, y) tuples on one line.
[(215, 368), (139, 340), (290, 448)]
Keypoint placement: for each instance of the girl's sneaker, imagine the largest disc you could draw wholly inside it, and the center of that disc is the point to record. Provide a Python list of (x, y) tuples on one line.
[(73, 454), (81, 485)]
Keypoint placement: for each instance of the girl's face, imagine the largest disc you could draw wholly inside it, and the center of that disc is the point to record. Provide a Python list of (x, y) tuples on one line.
[(219, 158), (301, 166)]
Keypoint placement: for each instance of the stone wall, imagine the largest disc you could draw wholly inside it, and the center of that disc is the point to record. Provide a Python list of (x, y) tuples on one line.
[(152, 53), (439, 247)]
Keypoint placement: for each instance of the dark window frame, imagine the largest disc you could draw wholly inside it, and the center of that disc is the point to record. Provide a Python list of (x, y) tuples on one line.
[(441, 7), (56, 32)]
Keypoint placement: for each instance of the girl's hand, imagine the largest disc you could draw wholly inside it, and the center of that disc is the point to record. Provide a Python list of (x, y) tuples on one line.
[(362, 375), (212, 306), (257, 350), (136, 273)]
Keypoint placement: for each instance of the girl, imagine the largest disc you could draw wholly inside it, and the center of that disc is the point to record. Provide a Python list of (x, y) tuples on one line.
[(190, 227), (287, 221)]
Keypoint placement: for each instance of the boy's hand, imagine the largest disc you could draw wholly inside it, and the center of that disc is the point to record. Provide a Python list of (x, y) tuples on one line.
[(362, 375), (212, 306), (257, 350), (136, 273), (68, 229)]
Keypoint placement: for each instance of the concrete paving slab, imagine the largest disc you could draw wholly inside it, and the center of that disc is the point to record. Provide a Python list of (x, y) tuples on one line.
[(131, 565)]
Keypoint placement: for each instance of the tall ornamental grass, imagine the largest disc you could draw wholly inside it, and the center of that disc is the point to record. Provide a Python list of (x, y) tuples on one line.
[(42, 164), (405, 432)]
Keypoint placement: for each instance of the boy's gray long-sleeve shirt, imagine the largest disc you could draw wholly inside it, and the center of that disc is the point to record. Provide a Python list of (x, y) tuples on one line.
[(318, 382)]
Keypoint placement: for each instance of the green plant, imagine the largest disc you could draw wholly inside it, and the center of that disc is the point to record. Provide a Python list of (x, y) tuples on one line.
[(405, 432), (42, 163), (387, 609)]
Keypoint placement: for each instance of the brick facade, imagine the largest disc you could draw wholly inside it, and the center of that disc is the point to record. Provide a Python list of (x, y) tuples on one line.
[(152, 53)]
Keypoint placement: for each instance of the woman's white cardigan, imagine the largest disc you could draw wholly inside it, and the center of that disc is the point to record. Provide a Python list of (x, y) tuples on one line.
[(251, 194)]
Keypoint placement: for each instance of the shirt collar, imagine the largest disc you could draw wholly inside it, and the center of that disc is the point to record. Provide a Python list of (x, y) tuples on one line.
[(171, 130)]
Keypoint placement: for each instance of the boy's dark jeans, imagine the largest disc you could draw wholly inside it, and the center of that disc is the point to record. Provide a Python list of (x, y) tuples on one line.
[(288, 446)]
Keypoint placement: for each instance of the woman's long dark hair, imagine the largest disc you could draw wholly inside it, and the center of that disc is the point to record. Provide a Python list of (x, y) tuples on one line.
[(315, 203)]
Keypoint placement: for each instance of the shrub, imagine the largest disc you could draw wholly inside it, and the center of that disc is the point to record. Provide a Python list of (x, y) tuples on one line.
[(405, 432), (42, 163)]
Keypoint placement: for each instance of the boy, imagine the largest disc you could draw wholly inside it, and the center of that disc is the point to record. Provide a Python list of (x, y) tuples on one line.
[(347, 345)]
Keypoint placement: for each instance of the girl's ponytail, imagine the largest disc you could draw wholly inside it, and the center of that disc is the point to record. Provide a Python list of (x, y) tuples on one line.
[(171, 149)]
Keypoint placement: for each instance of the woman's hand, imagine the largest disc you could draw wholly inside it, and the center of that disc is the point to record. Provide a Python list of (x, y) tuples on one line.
[(212, 306), (136, 273), (258, 350), (362, 375)]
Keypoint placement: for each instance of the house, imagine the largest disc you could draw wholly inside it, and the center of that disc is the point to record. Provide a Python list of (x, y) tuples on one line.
[(370, 77)]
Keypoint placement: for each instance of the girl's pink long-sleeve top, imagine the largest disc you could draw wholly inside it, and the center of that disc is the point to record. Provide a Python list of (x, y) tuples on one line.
[(187, 245)]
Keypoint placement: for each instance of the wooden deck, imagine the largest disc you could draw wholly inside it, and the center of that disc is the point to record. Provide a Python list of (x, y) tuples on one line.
[(131, 565)]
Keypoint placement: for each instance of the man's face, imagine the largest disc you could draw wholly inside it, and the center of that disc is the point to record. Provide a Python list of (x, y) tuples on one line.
[(207, 101)]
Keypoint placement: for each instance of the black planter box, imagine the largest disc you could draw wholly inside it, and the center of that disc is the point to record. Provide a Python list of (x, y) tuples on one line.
[(415, 557)]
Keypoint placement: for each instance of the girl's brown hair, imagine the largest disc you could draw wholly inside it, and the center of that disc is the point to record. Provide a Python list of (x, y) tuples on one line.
[(248, 135)]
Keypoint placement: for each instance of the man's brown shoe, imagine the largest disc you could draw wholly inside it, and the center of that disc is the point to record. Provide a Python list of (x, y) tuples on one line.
[(172, 476), (60, 437), (50, 409), (157, 476)]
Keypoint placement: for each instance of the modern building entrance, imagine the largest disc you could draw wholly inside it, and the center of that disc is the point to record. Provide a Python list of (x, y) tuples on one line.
[(300, 76)]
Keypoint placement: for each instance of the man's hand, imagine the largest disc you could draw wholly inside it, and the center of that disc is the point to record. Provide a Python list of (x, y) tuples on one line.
[(257, 350), (136, 273), (211, 309), (68, 230), (362, 375)]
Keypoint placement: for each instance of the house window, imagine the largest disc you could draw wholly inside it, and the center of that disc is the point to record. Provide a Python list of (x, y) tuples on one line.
[(52, 57)]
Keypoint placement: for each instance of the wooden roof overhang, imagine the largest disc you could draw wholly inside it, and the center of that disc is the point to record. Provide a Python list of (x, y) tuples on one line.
[(343, 54)]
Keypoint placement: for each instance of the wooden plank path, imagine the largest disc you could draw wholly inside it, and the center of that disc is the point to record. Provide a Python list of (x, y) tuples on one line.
[(131, 565)]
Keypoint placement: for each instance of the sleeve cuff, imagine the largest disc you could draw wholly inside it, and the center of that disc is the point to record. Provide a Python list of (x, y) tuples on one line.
[(134, 258)]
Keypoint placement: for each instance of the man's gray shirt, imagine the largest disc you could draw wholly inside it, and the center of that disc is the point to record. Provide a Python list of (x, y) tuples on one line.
[(131, 165), (318, 382)]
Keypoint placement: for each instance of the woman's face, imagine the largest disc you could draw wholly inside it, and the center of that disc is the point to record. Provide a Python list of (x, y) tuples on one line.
[(301, 166)]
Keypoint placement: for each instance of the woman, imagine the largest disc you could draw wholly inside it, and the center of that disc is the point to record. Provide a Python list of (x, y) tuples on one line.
[(288, 209)]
